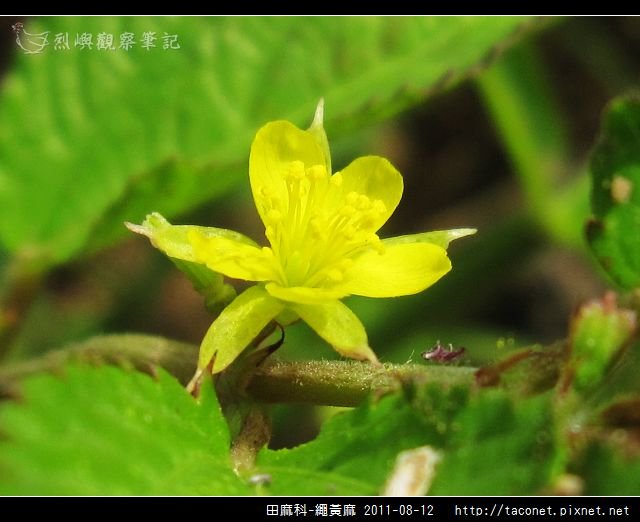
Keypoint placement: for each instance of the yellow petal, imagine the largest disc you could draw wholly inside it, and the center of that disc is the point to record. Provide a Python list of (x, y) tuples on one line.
[(276, 146), (339, 326), (237, 325), (302, 294), (232, 258), (401, 269), (377, 179), (173, 240), (442, 238)]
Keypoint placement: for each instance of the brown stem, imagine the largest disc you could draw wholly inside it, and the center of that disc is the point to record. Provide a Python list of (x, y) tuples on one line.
[(20, 289)]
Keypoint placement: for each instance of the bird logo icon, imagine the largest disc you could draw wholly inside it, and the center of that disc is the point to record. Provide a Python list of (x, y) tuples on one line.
[(30, 43)]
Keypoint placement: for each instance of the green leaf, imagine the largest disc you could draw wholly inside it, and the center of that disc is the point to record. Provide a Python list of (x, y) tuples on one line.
[(490, 444), (500, 447), (356, 451), (104, 431), (599, 331), (607, 471), (91, 138), (613, 233)]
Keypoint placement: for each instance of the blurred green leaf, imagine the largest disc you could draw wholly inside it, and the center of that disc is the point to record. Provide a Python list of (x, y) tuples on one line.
[(521, 102), (104, 431), (499, 447), (613, 234), (607, 471), (532, 127), (90, 138)]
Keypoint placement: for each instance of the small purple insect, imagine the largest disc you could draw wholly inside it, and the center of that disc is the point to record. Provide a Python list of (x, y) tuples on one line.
[(441, 354)]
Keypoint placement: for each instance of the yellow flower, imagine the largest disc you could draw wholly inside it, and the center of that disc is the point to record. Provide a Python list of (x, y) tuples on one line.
[(322, 232)]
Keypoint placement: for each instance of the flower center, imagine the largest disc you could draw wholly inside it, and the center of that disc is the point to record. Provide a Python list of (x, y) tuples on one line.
[(317, 225)]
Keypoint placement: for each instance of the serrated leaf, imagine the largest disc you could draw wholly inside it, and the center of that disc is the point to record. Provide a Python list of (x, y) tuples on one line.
[(356, 451), (615, 198), (103, 431), (90, 138), (490, 444), (499, 447)]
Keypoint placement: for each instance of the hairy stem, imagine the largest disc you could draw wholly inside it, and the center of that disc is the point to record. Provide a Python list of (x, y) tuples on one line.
[(345, 383), (336, 383), (142, 352)]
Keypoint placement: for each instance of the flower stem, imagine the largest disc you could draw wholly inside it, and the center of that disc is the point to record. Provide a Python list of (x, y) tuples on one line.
[(345, 383), (336, 383)]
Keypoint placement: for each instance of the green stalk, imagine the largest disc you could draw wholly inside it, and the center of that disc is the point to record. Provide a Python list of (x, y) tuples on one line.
[(334, 383), (530, 125)]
